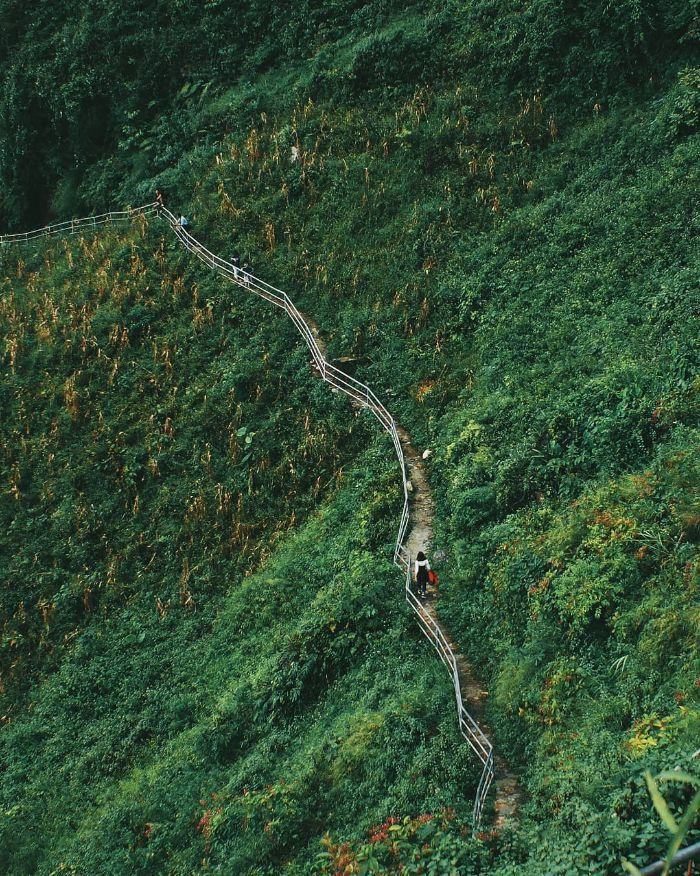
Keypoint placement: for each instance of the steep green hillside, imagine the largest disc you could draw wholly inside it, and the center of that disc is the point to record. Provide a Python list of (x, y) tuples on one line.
[(491, 209), (185, 680)]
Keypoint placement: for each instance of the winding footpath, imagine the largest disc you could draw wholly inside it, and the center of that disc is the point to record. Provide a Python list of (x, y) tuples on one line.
[(507, 792), (416, 526)]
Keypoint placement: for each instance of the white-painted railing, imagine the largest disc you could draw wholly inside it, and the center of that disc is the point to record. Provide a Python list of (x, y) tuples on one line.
[(75, 226), (468, 727), (359, 393)]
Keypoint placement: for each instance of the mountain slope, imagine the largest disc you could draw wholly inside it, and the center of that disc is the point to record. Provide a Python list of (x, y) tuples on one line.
[(490, 211)]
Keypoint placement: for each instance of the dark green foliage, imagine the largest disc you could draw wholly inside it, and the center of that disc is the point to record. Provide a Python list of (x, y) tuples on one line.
[(127, 84), (143, 660), (576, 50), (491, 215), (110, 442)]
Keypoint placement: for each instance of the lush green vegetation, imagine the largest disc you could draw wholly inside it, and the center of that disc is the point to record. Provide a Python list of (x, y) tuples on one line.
[(491, 210), (163, 624)]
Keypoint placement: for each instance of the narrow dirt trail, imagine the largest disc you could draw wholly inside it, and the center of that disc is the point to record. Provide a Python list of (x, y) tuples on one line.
[(507, 791)]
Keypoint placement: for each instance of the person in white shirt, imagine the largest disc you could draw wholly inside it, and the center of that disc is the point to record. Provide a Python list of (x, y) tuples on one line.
[(246, 272), (421, 573)]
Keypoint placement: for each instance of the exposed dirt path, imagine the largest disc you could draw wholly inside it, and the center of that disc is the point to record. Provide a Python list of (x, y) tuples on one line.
[(422, 507), (507, 792)]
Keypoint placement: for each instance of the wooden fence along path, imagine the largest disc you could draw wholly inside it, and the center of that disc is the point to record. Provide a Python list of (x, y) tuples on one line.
[(414, 481)]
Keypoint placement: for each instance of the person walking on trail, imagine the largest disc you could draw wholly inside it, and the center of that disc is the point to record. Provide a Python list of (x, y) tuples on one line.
[(421, 573), (247, 273), (236, 265)]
